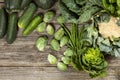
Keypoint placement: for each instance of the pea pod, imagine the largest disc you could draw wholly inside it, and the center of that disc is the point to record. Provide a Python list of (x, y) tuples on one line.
[(33, 24)]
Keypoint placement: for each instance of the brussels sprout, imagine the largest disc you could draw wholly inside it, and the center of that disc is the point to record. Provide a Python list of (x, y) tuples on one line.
[(60, 20), (41, 27), (50, 29), (52, 59), (41, 43), (68, 52), (59, 34), (64, 40), (48, 16), (55, 45), (61, 66), (66, 60)]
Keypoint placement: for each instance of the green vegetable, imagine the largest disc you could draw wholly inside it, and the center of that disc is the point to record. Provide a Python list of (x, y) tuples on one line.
[(75, 11), (118, 3), (64, 40), (61, 66), (60, 20), (45, 4), (50, 29), (12, 28), (33, 24), (48, 16), (94, 63), (112, 1), (66, 60), (76, 45), (27, 16), (55, 45), (68, 15), (91, 35), (41, 43), (25, 3), (12, 5), (59, 34), (3, 22), (84, 58), (41, 27), (52, 59), (68, 52)]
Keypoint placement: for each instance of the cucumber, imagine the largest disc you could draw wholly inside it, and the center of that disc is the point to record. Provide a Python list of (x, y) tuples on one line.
[(33, 24), (3, 22), (25, 3), (27, 16), (12, 5), (12, 28)]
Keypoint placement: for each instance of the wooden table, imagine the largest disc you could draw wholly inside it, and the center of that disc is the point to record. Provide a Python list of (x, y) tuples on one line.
[(22, 61)]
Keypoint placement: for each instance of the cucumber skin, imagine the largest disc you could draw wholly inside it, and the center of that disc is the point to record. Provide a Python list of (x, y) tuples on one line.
[(12, 5), (33, 24), (25, 3), (27, 16), (3, 22), (12, 28)]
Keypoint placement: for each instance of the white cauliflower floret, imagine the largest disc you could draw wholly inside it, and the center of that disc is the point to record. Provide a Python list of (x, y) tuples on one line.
[(109, 30)]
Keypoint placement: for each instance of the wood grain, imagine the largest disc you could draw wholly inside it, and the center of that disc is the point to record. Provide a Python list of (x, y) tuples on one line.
[(22, 61)]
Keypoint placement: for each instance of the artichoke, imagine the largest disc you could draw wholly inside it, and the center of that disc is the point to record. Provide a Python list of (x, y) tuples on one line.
[(93, 62)]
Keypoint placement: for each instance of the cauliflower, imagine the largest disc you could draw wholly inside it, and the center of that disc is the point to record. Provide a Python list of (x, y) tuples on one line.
[(109, 30)]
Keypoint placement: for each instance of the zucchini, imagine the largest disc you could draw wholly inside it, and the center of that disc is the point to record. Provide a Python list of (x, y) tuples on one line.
[(12, 5), (25, 3), (45, 4), (33, 24), (27, 16), (3, 22), (12, 28)]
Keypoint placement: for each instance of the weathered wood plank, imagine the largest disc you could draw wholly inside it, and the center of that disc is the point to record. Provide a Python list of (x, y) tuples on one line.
[(1, 0), (51, 73), (28, 55)]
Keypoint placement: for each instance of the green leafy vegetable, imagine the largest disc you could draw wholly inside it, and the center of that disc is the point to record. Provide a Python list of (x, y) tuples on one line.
[(94, 63), (79, 11)]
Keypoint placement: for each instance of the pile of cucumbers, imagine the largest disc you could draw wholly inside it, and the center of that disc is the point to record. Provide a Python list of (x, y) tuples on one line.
[(10, 21)]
